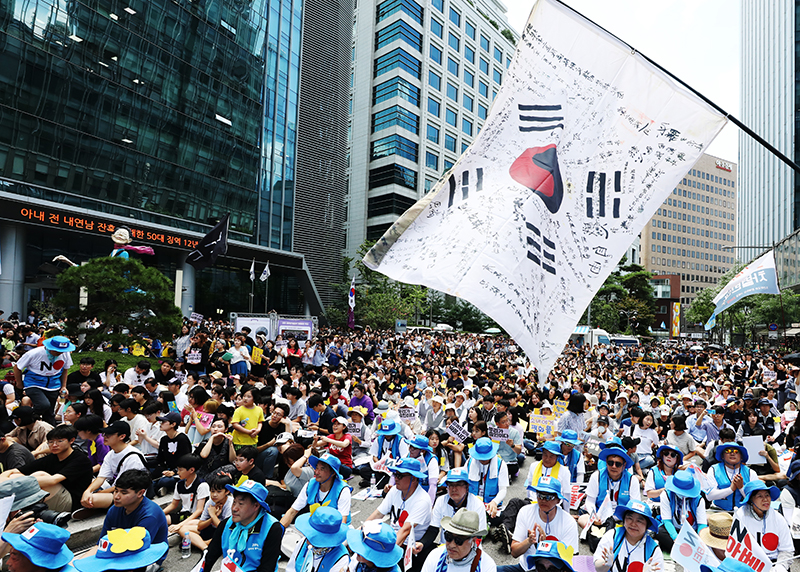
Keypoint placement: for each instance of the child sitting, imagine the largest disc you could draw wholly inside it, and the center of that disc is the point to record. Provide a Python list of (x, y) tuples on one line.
[(190, 494), (201, 531)]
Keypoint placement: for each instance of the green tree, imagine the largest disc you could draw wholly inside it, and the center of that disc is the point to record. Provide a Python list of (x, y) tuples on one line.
[(625, 302), (130, 300)]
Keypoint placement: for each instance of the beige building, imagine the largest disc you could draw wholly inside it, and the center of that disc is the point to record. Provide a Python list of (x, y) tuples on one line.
[(690, 231)]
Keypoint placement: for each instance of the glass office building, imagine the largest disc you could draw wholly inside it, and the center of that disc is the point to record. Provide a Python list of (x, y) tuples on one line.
[(162, 115)]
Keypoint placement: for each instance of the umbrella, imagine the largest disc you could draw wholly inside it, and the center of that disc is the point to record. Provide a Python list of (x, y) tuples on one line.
[(491, 331), (696, 348), (792, 358), (714, 346)]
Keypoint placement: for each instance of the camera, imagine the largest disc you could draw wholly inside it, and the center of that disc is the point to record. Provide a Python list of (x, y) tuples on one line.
[(40, 511)]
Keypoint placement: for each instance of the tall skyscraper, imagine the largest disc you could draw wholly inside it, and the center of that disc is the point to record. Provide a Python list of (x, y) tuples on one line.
[(769, 201), (424, 77), (159, 115), (689, 233)]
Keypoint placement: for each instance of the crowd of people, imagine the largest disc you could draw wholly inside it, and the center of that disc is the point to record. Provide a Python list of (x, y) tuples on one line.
[(618, 447)]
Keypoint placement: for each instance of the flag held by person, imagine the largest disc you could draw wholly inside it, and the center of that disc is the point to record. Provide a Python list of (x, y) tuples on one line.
[(758, 277), (210, 246), (586, 139)]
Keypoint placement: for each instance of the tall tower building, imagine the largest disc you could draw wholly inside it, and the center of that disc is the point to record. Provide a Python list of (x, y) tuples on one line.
[(424, 76), (689, 233), (769, 201)]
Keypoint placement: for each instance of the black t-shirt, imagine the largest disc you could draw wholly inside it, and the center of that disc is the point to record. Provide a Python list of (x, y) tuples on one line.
[(255, 474), (77, 468), (76, 377), (15, 457), (162, 379), (170, 450), (268, 432)]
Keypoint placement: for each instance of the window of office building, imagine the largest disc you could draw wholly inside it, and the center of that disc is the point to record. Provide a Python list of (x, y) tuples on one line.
[(484, 43), (396, 87), (452, 92), (498, 76), (437, 27), (470, 29), (386, 9), (432, 160), (468, 102), (449, 142), (439, 5), (498, 55), (434, 107), (394, 145), (435, 81), (451, 117), (455, 17), (484, 65), (453, 41), (466, 126), (395, 116), (398, 30), (448, 165), (391, 203), (469, 54), (482, 111), (436, 54), (433, 133), (483, 89), (469, 78), (398, 58), (392, 175), (452, 66)]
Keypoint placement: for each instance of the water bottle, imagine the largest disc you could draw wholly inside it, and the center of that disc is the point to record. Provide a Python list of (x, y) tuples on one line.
[(372, 483), (186, 546)]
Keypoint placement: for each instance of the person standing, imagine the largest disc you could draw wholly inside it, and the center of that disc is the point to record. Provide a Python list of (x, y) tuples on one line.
[(45, 374)]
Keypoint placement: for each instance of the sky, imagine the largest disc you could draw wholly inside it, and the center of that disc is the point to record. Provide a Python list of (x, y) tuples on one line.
[(695, 40)]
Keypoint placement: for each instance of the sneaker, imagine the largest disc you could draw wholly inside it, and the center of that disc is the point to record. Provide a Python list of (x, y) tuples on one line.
[(505, 538)]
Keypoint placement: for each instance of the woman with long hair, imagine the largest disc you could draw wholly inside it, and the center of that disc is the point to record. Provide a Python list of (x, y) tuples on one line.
[(97, 405), (648, 438), (573, 417), (240, 357), (293, 355), (193, 413), (340, 445), (197, 353)]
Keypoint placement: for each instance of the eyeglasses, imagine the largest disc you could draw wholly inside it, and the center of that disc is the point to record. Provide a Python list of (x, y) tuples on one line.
[(546, 496), (615, 463), (670, 454), (730, 451), (459, 540)]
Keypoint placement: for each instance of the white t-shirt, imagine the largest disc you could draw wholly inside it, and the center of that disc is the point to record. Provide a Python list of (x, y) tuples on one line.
[(637, 552), (139, 421), (155, 433), (133, 379), (772, 533), (108, 470), (226, 509), (417, 510), (648, 438), (443, 508), (562, 527), (339, 566), (189, 500), (343, 504), (37, 361), (431, 562), (593, 488)]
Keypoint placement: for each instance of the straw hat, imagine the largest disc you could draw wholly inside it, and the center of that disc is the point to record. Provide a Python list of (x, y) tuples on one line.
[(715, 535)]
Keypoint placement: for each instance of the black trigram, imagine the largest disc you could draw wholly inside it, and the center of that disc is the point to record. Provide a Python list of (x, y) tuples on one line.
[(540, 117), (601, 195), (464, 185), (538, 254)]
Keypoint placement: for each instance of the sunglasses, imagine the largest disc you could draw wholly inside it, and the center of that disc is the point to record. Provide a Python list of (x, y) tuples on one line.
[(459, 540), (615, 463), (670, 454), (546, 496), (726, 451)]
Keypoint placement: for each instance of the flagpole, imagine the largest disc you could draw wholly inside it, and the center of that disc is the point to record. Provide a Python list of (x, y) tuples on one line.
[(266, 293), (727, 115)]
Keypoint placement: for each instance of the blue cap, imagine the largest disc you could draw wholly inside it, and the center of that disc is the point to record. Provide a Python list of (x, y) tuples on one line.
[(323, 528), (547, 485), (552, 550)]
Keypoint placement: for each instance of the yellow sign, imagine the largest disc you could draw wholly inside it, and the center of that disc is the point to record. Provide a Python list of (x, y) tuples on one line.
[(257, 354), (676, 319), (543, 424)]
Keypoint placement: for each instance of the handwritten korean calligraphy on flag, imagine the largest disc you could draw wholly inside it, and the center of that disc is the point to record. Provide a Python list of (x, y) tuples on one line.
[(586, 139)]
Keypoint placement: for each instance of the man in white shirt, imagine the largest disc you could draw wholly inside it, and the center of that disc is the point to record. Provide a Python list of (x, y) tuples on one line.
[(460, 552), (176, 389), (137, 374)]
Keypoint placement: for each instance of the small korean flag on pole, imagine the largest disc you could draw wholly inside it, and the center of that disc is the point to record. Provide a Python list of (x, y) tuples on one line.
[(265, 274)]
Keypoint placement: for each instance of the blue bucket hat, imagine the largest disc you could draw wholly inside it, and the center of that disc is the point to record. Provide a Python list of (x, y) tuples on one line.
[(388, 427), (613, 442), (718, 452), (684, 484), (457, 475), (616, 452), (43, 544), (411, 466), (638, 507), (255, 489), (555, 448), (758, 485), (569, 437), (324, 528), (377, 542), (123, 549), (484, 449), (59, 344), (663, 448), (552, 550), (334, 463), (547, 485), (419, 442)]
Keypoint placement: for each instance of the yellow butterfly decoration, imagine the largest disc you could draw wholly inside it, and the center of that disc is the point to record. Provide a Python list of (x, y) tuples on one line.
[(122, 540), (316, 505), (565, 552)]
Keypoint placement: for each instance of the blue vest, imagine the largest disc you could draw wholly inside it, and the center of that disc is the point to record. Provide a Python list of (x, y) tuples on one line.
[(649, 543), (658, 478), (327, 561), (691, 508), (572, 464), (602, 490), (395, 446), (734, 499), (491, 487), (251, 558), (332, 498)]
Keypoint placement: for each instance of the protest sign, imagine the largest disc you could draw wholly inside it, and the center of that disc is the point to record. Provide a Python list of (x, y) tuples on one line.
[(754, 445), (559, 406), (172, 406), (744, 548), (458, 432), (576, 496), (5, 507), (409, 553), (257, 355), (407, 413), (690, 551), (354, 428), (543, 424), (497, 434), (382, 465), (205, 419), (195, 317)]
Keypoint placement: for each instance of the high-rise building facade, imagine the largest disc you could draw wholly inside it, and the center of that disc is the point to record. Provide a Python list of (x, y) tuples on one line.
[(689, 234), (424, 77), (769, 201), (159, 115)]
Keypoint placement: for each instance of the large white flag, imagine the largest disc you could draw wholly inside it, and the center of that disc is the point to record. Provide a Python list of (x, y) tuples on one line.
[(585, 141)]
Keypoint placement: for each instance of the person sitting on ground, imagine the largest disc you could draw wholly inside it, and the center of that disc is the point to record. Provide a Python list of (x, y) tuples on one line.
[(322, 549), (460, 552), (765, 524), (12, 454), (189, 498), (419, 448), (251, 537), (729, 476), (667, 463), (488, 475), (681, 505), (613, 482), (388, 445), (572, 456), (64, 473), (551, 556), (172, 447), (40, 548), (244, 460), (629, 544), (374, 548), (30, 431), (217, 509), (326, 488)]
